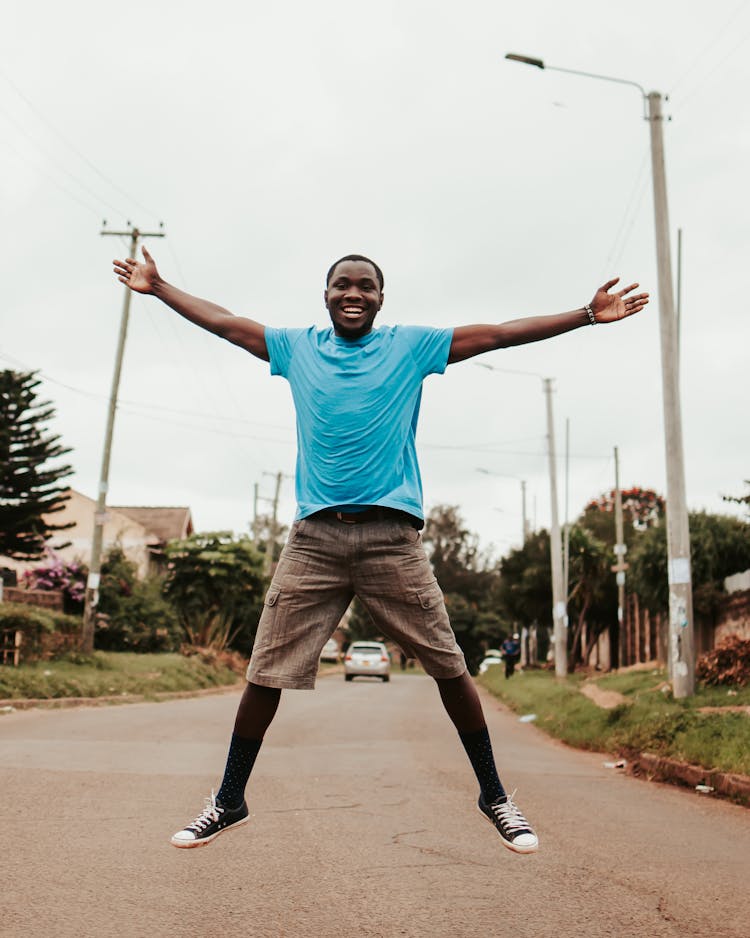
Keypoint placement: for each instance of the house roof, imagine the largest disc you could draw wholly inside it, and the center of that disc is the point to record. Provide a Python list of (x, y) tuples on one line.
[(165, 524)]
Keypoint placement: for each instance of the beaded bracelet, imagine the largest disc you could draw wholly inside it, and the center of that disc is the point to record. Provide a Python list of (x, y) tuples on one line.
[(590, 312)]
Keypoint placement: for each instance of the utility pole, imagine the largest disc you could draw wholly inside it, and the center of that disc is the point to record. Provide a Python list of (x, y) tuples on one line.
[(620, 566), (559, 604), (95, 564), (255, 514), (524, 522), (566, 525), (681, 654), (273, 532)]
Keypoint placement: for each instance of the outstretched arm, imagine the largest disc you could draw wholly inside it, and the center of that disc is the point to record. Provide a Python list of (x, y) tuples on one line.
[(143, 277), (605, 307)]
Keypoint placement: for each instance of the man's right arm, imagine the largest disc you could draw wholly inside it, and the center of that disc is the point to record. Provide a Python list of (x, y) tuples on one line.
[(143, 277)]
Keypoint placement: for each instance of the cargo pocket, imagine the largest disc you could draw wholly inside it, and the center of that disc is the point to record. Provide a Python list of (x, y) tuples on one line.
[(264, 634), (437, 628)]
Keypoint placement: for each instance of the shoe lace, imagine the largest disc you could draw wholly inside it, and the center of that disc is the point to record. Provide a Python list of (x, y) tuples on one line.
[(208, 815), (509, 815)]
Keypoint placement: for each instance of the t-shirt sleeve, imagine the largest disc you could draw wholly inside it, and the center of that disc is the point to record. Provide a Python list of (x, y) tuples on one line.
[(280, 345), (430, 348)]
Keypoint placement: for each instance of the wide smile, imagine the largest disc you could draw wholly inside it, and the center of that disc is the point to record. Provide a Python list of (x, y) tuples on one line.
[(352, 312)]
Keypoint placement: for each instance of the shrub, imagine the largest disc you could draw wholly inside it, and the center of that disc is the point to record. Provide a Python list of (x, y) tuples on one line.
[(133, 614), (57, 574), (46, 633), (728, 663)]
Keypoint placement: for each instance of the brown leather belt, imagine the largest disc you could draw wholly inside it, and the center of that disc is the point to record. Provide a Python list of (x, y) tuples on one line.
[(375, 513)]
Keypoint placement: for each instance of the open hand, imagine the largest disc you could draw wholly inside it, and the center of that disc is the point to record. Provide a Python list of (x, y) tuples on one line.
[(141, 276), (609, 307)]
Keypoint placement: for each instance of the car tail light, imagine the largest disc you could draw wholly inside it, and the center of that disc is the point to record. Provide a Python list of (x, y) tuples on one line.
[(384, 657), (348, 658)]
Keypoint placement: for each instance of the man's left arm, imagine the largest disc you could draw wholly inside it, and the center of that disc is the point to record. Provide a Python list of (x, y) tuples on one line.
[(469, 341)]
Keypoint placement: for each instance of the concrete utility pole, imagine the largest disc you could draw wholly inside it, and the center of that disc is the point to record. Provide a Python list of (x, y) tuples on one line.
[(559, 603), (100, 516), (620, 566), (681, 654), (524, 522), (681, 641)]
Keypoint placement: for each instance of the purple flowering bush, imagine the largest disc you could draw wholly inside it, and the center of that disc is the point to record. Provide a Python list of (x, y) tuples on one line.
[(56, 574)]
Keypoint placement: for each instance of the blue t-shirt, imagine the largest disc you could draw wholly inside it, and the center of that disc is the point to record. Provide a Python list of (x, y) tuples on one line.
[(357, 404)]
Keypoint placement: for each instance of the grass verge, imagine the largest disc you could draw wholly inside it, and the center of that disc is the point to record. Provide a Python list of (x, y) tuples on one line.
[(650, 720), (106, 674)]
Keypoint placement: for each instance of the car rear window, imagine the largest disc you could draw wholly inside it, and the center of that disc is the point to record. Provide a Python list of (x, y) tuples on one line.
[(367, 649)]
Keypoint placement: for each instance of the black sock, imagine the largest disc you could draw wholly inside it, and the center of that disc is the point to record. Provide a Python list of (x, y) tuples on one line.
[(240, 761), (479, 750)]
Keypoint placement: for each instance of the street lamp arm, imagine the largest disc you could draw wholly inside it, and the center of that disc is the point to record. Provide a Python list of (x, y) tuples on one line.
[(539, 63), (620, 81)]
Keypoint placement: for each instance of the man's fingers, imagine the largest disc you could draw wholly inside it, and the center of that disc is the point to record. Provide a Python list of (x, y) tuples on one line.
[(627, 289), (609, 284), (145, 253)]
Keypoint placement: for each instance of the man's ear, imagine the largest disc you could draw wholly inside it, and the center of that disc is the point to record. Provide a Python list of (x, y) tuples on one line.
[(325, 298), (382, 300)]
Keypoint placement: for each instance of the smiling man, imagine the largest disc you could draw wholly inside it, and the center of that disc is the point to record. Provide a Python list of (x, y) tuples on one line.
[(357, 391)]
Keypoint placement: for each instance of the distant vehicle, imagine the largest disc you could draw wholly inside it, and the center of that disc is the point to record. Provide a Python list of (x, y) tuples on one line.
[(491, 656), (367, 658), (331, 651)]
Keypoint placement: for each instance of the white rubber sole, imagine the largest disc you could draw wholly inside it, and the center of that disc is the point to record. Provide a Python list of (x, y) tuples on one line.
[(183, 844), (506, 843)]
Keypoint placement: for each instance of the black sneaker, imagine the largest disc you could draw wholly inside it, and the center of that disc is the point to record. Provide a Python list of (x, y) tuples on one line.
[(212, 821), (513, 828)]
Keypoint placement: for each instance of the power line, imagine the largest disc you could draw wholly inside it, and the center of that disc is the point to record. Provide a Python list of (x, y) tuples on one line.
[(82, 156)]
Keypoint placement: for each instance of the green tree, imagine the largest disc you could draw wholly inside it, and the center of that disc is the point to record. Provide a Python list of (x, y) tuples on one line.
[(469, 581), (29, 489), (526, 582), (589, 583), (719, 547), (133, 614), (740, 499), (215, 583)]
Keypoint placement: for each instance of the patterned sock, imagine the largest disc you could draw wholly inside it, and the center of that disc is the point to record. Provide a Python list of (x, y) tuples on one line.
[(479, 750), (240, 761)]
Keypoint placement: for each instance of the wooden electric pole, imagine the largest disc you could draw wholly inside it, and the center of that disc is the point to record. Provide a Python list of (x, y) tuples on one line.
[(95, 564)]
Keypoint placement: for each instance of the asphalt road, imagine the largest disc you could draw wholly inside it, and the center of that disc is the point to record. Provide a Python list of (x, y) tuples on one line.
[(363, 824)]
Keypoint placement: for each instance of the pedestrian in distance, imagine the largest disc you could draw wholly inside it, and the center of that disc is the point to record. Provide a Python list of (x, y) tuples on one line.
[(511, 649), (357, 391)]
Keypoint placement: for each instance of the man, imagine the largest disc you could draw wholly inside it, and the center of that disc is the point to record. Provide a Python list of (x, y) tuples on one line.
[(511, 649), (357, 392)]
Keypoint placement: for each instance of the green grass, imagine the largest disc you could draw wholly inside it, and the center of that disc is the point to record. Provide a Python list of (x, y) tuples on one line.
[(650, 721), (107, 674)]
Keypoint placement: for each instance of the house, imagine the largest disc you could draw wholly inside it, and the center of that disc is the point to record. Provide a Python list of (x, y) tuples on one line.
[(142, 533)]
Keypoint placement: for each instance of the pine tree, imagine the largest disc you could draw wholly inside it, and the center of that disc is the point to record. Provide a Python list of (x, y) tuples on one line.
[(29, 492)]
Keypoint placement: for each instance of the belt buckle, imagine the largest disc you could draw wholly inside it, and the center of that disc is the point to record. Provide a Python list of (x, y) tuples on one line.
[(340, 517)]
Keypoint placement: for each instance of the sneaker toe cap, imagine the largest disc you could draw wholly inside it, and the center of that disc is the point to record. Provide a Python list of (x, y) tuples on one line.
[(184, 837), (526, 841)]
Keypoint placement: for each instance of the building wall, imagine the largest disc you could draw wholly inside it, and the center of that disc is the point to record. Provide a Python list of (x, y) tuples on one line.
[(734, 618), (118, 529)]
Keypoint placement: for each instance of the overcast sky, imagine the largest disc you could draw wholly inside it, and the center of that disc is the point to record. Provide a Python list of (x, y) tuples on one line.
[(271, 139)]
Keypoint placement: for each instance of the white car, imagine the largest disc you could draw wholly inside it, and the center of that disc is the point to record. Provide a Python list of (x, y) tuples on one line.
[(491, 656), (331, 651), (367, 659)]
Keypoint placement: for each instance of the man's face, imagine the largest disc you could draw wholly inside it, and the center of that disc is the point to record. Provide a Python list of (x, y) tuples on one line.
[(353, 298)]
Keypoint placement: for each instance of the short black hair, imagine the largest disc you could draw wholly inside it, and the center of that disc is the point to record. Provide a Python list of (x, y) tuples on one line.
[(356, 257)]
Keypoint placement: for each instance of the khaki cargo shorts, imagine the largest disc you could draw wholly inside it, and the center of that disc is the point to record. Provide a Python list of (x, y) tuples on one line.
[(324, 564)]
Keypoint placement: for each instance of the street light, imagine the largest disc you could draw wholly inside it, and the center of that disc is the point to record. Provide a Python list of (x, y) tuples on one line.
[(681, 641), (559, 598), (524, 522)]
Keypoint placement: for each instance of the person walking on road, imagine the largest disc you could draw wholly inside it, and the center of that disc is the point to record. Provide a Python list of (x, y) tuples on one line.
[(357, 391), (511, 649)]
